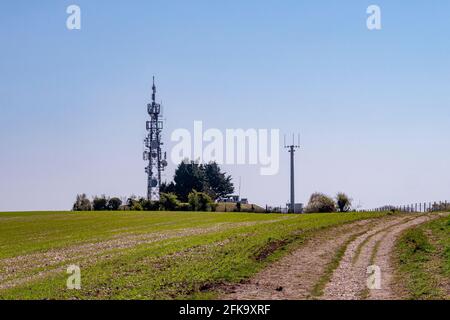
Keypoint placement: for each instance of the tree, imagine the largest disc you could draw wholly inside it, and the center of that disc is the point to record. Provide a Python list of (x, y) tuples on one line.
[(343, 202), (82, 203), (319, 203), (206, 178), (167, 187), (114, 204), (189, 176), (218, 183), (100, 203)]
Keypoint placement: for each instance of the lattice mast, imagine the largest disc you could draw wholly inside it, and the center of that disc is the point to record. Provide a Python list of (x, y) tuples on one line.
[(153, 151)]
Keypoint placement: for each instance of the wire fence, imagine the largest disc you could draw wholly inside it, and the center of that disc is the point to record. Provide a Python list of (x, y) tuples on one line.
[(417, 207), (420, 207)]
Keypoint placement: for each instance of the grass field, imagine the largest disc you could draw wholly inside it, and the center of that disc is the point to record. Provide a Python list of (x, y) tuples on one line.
[(424, 260), (144, 255)]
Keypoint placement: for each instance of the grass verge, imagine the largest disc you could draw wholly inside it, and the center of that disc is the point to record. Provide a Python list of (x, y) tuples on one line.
[(423, 261)]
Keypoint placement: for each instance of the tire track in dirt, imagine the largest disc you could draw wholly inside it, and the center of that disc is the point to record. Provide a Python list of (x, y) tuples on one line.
[(294, 276), (346, 280), (19, 270), (349, 280)]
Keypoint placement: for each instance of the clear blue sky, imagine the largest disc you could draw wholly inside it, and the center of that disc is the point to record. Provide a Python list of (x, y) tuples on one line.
[(373, 107)]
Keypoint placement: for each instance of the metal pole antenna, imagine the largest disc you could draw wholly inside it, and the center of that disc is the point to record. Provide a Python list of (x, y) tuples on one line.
[(291, 149)]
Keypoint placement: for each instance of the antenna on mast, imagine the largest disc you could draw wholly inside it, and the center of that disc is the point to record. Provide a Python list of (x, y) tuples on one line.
[(153, 153)]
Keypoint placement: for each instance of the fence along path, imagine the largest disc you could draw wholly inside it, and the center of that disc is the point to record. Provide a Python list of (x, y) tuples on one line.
[(424, 207)]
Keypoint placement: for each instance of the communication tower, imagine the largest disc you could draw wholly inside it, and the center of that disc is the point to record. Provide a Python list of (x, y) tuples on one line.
[(153, 151)]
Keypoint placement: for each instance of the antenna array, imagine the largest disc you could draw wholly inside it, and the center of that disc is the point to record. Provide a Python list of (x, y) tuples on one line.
[(153, 151)]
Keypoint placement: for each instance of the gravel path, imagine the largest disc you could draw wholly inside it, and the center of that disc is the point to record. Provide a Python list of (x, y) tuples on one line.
[(366, 243)]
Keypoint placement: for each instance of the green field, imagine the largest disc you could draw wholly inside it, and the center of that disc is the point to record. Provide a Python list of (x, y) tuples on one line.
[(144, 255), (423, 257)]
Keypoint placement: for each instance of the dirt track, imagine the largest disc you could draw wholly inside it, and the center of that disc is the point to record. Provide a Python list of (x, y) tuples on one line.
[(317, 271)]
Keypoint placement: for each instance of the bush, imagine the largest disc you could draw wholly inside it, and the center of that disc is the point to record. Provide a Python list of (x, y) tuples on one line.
[(114, 204), (136, 206), (194, 201), (82, 203), (184, 206), (133, 204), (100, 203), (200, 201), (148, 205), (343, 202), (320, 203), (169, 202)]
